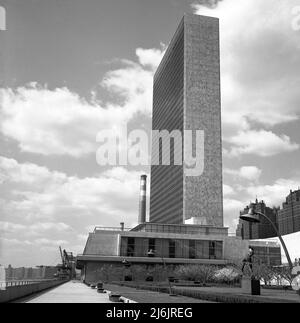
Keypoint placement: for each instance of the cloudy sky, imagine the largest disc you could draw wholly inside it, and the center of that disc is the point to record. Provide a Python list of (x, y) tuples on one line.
[(69, 68)]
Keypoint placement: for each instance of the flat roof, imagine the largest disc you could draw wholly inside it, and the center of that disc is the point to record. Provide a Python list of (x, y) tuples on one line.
[(149, 260)]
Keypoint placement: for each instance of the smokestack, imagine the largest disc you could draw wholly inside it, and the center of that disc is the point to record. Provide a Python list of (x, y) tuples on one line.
[(142, 207), (122, 225)]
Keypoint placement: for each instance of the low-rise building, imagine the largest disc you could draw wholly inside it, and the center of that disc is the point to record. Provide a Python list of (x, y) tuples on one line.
[(156, 248), (267, 252)]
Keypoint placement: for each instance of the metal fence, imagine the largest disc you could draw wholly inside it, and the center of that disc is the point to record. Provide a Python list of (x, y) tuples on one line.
[(98, 228)]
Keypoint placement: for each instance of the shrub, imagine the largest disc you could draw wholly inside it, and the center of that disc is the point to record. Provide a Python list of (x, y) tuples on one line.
[(202, 273), (227, 275)]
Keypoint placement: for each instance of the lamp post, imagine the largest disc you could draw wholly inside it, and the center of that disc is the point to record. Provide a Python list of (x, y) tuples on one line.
[(151, 253), (252, 218), (126, 265)]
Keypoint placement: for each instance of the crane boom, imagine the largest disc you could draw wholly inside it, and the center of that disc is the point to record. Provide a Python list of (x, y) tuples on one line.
[(62, 256)]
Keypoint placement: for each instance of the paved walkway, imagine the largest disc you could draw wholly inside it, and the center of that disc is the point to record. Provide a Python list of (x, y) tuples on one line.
[(71, 292), (77, 292)]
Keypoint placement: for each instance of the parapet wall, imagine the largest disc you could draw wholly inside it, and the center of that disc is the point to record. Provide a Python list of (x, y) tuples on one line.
[(15, 292)]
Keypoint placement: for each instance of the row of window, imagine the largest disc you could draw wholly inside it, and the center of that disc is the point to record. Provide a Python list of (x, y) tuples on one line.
[(168, 248)]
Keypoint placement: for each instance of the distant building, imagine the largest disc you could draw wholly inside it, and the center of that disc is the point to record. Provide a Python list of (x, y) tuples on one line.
[(262, 230), (289, 215), (30, 273), (267, 252), (9, 272), (287, 219)]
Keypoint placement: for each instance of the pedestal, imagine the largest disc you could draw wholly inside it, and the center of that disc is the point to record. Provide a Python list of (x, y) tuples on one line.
[(250, 286)]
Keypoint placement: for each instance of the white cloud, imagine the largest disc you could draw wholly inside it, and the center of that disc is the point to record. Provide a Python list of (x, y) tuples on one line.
[(274, 194), (28, 173), (49, 121), (14, 242), (251, 173), (49, 243), (228, 190), (7, 228), (150, 57), (45, 209), (60, 122), (232, 204), (112, 196), (207, 3), (260, 71), (262, 143), (231, 211)]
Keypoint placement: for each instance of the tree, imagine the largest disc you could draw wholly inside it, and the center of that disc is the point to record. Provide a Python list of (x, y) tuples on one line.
[(284, 273), (264, 272)]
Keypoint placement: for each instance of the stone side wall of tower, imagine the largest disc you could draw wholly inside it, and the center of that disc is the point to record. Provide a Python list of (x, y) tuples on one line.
[(203, 195)]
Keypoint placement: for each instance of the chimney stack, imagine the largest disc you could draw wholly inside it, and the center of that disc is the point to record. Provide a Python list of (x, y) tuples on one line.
[(142, 206), (122, 225)]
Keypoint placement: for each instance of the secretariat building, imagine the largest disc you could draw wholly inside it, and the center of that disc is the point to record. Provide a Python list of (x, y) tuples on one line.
[(186, 96)]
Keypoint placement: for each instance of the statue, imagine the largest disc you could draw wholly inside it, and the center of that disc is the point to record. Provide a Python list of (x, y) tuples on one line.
[(250, 284)]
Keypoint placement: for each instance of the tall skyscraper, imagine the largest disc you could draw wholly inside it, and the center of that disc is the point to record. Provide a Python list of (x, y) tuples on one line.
[(262, 230), (289, 215), (187, 97)]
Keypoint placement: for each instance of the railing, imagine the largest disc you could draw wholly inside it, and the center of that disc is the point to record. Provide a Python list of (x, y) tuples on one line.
[(12, 283), (110, 229)]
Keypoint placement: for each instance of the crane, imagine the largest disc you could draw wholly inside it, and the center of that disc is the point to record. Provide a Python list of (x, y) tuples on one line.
[(66, 267)]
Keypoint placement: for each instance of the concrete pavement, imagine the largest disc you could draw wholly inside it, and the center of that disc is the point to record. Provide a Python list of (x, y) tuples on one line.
[(77, 292), (71, 292)]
